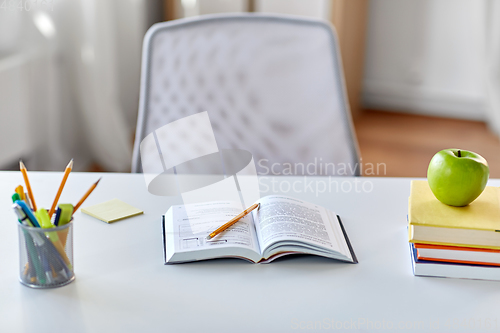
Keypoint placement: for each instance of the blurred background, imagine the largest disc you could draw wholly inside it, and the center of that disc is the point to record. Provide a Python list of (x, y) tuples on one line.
[(421, 75)]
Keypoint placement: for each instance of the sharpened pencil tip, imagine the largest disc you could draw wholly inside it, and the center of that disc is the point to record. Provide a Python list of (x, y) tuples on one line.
[(70, 164), (21, 165), (209, 237), (97, 182)]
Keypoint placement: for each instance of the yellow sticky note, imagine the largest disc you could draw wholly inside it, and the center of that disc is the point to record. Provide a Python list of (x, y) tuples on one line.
[(111, 211)]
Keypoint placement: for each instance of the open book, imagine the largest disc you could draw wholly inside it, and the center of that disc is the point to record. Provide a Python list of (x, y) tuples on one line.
[(280, 226)]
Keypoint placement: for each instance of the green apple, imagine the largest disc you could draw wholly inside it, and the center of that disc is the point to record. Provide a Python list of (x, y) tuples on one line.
[(457, 177)]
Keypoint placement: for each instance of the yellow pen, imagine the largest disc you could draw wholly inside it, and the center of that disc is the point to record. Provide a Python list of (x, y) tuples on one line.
[(20, 191)]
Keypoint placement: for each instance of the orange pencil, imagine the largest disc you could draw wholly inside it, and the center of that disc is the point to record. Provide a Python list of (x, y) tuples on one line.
[(85, 196), (232, 221), (69, 167), (24, 171)]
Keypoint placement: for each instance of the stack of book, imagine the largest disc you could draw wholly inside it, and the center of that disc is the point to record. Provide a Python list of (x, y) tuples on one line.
[(459, 242)]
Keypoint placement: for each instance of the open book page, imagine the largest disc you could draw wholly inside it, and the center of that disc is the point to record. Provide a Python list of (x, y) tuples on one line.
[(186, 229), (285, 224)]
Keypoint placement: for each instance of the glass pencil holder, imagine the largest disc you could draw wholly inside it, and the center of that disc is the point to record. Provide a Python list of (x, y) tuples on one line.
[(46, 256)]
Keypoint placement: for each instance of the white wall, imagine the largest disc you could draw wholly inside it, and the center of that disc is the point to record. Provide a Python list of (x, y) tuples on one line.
[(222, 6), (201, 7), (310, 8), (426, 56)]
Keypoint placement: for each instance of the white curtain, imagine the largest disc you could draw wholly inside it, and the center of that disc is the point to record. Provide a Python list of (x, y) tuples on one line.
[(82, 81), (107, 38), (97, 86), (492, 68)]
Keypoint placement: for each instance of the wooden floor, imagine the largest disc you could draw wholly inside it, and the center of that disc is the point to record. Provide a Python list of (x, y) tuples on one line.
[(406, 143)]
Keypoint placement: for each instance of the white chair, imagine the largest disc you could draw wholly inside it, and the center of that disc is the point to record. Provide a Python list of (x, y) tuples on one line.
[(272, 85)]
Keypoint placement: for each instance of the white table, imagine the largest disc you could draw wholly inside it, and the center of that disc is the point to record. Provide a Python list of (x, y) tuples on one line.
[(122, 285)]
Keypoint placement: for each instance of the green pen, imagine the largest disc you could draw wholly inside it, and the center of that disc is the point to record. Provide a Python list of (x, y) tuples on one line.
[(16, 197)]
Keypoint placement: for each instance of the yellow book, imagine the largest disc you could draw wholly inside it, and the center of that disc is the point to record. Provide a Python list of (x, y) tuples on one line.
[(475, 225)]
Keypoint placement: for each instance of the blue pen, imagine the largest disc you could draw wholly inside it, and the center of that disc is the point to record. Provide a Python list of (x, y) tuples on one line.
[(21, 216), (47, 250), (58, 216), (45, 247), (35, 267), (28, 212), (45, 264), (42, 267)]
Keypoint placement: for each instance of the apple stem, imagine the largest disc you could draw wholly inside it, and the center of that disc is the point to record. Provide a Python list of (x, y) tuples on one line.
[(459, 154)]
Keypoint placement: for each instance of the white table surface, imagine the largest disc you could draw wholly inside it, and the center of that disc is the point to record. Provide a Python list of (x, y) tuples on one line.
[(122, 285)]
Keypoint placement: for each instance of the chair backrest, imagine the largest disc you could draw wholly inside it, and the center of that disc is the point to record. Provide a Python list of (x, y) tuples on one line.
[(272, 85)]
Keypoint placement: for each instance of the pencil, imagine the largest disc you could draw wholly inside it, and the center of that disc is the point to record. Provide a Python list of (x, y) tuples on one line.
[(69, 167), (24, 171), (28, 201), (233, 221), (85, 196)]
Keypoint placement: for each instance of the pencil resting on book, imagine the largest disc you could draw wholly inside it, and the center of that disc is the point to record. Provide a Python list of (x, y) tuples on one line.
[(24, 171), (69, 167), (85, 196), (232, 221)]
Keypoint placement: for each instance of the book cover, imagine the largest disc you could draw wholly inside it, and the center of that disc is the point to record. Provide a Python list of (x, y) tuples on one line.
[(467, 255), (455, 248), (426, 210), (452, 270)]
